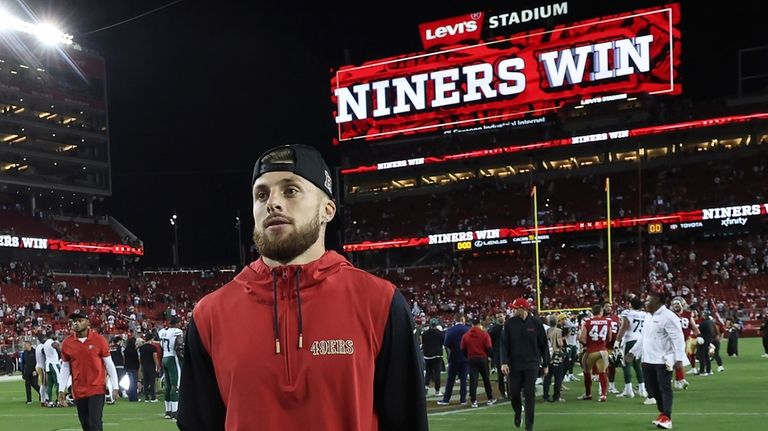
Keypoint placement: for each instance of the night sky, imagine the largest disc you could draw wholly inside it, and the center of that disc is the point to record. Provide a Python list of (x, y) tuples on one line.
[(198, 90)]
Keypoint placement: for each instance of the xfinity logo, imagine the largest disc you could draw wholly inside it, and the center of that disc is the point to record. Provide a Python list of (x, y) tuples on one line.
[(451, 30), (741, 221)]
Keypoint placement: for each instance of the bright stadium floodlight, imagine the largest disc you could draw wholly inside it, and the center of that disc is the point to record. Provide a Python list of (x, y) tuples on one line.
[(6, 21), (51, 35), (47, 33)]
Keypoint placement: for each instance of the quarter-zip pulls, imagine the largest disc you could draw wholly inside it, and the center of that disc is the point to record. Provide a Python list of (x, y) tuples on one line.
[(275, 321), (275, 318), (298, 306)]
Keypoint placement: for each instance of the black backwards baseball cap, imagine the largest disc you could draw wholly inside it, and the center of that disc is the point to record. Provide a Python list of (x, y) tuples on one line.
[(77, 314), (307, 163)]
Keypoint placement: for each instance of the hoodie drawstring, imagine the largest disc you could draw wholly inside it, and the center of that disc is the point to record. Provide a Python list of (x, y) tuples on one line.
[(298, 302), (275, 323)]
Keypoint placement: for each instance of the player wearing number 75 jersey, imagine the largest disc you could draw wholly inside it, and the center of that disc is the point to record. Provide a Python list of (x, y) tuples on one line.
[(595, 335), (171, 340), (630, 332)]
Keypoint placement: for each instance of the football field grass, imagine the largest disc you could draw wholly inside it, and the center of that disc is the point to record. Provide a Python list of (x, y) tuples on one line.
[(732, 400)]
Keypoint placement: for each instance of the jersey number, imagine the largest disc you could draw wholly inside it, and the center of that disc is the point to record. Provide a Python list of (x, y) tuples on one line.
[(166, 344), (598, 333), (638, 325)]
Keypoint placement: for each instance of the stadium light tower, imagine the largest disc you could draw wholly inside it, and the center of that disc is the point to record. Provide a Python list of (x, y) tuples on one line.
[(175, 224)]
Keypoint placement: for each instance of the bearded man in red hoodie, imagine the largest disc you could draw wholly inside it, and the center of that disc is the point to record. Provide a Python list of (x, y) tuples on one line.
[(300, 339)]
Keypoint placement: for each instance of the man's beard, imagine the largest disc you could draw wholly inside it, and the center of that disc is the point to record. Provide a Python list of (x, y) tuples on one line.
[(287, 247)]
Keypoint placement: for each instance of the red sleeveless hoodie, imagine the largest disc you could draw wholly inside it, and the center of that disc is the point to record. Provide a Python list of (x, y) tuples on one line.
[(320, 346)]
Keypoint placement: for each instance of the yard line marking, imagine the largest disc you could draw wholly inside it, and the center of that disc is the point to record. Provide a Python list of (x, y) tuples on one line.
[(676, 413)]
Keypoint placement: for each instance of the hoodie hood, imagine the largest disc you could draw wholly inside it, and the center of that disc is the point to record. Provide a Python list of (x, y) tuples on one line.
[(257, 278), (260, 280)]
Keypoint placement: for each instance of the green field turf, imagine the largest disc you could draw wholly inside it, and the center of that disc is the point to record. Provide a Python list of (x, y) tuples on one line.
[(732, 400)]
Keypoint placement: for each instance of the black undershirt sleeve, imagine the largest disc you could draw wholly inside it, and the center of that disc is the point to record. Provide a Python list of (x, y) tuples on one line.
[(399, 380), (543, 345), (200, 403)]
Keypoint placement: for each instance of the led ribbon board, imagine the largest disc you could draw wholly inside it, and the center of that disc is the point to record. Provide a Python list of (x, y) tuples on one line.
[(13, 241), (718, 218)]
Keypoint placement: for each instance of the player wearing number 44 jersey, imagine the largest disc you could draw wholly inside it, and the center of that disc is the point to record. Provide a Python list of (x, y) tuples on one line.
[(595, 335), (172, 342)]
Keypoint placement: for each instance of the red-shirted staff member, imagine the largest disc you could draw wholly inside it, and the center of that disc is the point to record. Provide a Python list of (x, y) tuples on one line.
[(85, 356)]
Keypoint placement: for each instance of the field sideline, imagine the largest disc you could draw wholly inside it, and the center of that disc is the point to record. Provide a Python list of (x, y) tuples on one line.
[(732, 400)]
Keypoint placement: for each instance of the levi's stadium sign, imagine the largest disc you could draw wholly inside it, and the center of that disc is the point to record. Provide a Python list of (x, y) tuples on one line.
[(529, 74)]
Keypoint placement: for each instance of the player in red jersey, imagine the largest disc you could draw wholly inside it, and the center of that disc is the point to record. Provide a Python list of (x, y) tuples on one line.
[(690, 332), (594, 336), (615, 322)]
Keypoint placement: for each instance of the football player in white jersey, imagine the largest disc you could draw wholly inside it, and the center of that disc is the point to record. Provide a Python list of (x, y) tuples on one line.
[(630, 332), (40, 366), (172, 342), (52, 351), (571, 328)]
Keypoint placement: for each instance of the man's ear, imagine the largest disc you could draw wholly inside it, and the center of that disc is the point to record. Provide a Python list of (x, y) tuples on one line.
[(328, 210)]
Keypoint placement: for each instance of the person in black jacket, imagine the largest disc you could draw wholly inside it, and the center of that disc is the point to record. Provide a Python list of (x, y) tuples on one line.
[(432, 346), (733, 330), (28, 371), (495, 332), (524, 350), (132, 367), (116, 351), (708, 332), (149, 361), (458, 366)]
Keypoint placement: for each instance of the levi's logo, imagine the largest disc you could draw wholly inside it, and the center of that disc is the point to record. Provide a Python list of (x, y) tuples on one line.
[(332, 347), (452, 30)]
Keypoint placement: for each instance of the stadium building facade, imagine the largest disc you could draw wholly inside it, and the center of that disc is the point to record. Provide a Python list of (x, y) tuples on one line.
[(54, 149)]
